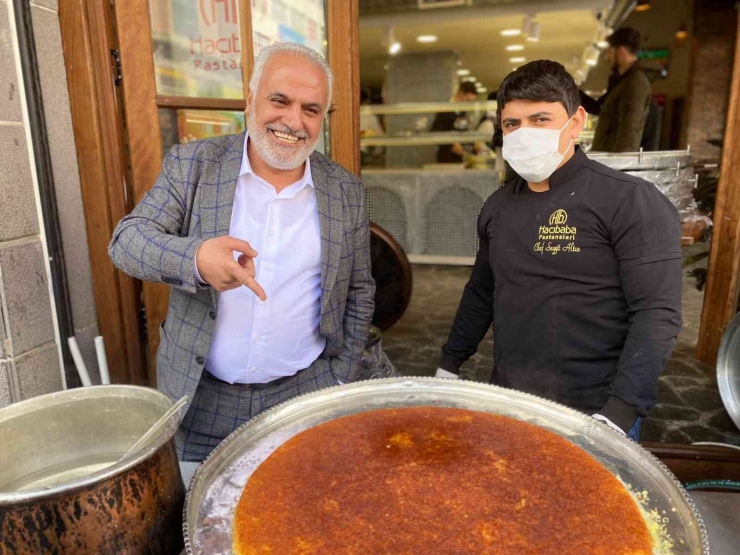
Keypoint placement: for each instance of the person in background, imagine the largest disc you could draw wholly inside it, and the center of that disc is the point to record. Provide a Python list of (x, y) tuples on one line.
[(265, 244), (369, 127), (578, 269), (487, 125), (628, 114), (454, 121)]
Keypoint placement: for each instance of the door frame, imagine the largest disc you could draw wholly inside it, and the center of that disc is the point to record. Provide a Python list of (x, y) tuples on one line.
[(88, 40)]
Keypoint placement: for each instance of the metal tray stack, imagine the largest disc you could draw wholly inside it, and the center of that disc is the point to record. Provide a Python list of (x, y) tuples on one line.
[(217, 485), (670, 171)]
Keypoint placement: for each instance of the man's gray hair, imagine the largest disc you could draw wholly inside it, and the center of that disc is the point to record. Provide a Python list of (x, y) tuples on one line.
[(298, 51)]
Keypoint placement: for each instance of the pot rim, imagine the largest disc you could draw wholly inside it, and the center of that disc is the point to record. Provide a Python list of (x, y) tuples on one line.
[(84, 393)]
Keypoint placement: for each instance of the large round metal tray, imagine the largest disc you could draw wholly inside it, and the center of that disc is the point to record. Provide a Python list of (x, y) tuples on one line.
[(651, 161), (219, 481), (728, 370)]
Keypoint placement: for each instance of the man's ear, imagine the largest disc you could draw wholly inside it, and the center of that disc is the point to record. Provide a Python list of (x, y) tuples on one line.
[(579, 120)]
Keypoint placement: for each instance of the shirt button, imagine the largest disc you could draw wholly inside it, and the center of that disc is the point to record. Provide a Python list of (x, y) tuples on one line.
[(212, 314), (267, 267), (272, 233), (254, 368), (200, 360)]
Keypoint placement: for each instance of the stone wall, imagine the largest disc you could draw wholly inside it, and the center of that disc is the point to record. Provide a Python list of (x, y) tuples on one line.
[(30, 356), (715, 28)]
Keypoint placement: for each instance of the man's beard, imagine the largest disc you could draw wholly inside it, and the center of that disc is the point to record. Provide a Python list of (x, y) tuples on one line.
[(277, 155)]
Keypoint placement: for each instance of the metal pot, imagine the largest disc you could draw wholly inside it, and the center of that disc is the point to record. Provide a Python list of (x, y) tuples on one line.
[(728, 370), (62, 489)]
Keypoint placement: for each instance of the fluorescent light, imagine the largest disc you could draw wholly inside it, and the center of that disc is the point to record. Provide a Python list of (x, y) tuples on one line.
[(603, 44), (482, 90), (478, 84), (517, 59), (463, 72), (395, 48), (511, 32), (514, 47), (591, 62), (533, 39), (426, 38), (470, 79)]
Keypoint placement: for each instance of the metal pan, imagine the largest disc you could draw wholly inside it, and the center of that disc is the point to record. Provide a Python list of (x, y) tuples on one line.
[(728, 370), (219, 481)]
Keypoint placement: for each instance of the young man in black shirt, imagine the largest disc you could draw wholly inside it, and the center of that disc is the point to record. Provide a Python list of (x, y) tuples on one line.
[(579, 267)]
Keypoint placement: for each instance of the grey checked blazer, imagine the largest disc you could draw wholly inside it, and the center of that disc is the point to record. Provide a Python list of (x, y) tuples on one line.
[(190, 203)]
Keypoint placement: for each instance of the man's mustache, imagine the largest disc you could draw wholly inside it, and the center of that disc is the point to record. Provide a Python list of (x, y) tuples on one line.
[(282, 128)]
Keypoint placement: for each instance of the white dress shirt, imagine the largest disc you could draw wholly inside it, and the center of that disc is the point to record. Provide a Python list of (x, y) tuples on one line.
[(255, 341)]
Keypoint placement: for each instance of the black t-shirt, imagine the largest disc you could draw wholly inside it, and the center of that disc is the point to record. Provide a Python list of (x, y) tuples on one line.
[(449, 121), (583, 285)]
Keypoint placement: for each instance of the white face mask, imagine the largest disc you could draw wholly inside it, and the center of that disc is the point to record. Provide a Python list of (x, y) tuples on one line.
[(534, 153)]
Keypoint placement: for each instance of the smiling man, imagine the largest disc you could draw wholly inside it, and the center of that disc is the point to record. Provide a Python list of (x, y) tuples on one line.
[(579, 266), (265, 244)]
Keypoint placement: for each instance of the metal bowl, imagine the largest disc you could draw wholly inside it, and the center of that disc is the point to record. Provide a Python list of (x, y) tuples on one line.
[(217, 485), (728, 370), (63, 486)]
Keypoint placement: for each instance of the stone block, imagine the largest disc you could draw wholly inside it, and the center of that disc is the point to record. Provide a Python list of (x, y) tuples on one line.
[(39, 371), (17, 200), (10, 105), (5, 397), (27, 295)]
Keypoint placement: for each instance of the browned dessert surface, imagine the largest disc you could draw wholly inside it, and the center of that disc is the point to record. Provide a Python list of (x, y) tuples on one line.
[(431, 480)]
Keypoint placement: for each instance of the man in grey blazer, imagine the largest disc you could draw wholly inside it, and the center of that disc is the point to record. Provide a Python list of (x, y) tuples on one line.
[(265, 244)]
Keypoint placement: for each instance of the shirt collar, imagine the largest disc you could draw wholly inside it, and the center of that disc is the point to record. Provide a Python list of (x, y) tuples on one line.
[(561, 175), (246, 167)]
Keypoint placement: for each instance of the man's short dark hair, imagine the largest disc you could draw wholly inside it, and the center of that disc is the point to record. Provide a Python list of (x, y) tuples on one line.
[(540, 81), (467, 87), (629, 37)]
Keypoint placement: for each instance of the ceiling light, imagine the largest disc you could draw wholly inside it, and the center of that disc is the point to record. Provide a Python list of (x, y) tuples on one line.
[(518, 60), (642, 5), (534, 32), (394, 49), (682, 33), (603, 44), (463, 72), (511, 32), (470, 79), (482, 90), (514, 47), (591, 62), (426, 38), (478, 84)]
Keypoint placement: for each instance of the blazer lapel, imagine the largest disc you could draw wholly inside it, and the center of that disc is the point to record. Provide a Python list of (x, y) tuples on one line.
[(217, 190), (329, 202)]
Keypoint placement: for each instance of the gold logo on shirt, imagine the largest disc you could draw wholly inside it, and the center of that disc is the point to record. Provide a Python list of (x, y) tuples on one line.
[(559, 217), (552, 237)]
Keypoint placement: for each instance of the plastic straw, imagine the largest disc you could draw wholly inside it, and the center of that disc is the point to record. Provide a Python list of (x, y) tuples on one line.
[(102, 360), (79, 363)]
